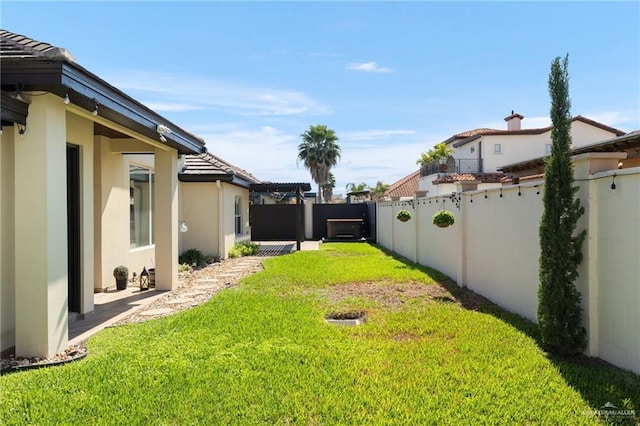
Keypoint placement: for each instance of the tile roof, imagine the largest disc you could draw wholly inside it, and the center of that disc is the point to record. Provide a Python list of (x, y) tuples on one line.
[(18, 46), (469, 177), (208, 167), (472, 135), (405, 187)]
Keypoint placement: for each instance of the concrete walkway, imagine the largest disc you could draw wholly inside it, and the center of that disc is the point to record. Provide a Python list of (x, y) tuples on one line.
[(112, 306)]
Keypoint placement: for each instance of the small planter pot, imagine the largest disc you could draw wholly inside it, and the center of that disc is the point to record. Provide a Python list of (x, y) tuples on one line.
[(443, 225), (121, 284)]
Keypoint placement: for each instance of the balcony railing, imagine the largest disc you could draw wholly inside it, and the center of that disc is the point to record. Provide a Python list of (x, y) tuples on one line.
[(453, 165)]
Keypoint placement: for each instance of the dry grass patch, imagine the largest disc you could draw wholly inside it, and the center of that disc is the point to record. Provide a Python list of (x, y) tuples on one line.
[(395, 295)]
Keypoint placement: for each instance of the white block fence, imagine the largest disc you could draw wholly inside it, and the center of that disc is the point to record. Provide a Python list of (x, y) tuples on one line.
[(493, 248)]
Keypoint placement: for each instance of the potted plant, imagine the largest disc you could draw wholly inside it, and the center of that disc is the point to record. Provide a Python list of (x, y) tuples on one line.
[(403, 215), (441, 153), (121, 274), (443, 218)]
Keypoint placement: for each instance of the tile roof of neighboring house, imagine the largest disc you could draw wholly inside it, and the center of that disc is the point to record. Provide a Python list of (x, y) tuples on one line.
[(207, 167), (472, 135), (469, 133), (405, 187), (467, 177)]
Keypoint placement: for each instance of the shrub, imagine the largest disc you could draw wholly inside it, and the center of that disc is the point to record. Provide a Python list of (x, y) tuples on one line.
[(121, 272), (192, 257), (184, 267), (244, 249)]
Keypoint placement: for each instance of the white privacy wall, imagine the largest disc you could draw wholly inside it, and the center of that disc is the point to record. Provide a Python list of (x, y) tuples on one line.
[(618, 269), (493, 249)]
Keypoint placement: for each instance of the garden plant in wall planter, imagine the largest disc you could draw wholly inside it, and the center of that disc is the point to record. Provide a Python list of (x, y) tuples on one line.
[(443, 218), (403, 215)]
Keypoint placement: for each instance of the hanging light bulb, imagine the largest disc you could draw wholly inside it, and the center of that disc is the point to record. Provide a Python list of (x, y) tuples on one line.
[(66, 99), (95, 108)]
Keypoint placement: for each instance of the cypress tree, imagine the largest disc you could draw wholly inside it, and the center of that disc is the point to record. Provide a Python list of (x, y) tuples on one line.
[(559, 311)]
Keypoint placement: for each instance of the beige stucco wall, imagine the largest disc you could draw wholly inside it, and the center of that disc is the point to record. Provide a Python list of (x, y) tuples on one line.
[(584, 134), (41, 230), (515, 148), (112, 239), (208, 210), (199, 210), (80, 133), (7, 242), (111, 189)]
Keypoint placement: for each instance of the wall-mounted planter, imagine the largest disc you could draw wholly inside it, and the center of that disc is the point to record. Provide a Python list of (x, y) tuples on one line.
[(403, 216), (443, 218)]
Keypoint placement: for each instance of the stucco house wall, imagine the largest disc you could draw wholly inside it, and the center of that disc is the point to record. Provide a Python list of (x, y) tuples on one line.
[(77, 113), (7, 239), (208, 210), (199, 210)]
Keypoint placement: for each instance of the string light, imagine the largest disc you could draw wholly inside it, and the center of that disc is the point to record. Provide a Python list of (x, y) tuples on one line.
[(95, 107), (66, 99)]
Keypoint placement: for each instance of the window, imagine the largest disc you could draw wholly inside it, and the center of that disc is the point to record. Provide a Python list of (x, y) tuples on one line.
[(547, 148), (238, 215), (497, 148), (140, 206)]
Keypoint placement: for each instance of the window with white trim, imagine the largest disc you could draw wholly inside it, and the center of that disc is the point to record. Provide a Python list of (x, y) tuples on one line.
[(238, 215), (140, 206), (497, 148)]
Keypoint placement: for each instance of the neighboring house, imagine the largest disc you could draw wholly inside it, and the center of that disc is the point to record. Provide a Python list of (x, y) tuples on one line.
[(404, 188), (533, 169), (485, 150), (355, 197), (214, 204), (88, 181)]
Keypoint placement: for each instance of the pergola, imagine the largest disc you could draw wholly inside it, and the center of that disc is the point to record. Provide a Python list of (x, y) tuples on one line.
[(298, 188)]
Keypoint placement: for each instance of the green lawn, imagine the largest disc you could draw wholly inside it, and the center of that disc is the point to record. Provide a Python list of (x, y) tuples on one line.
[(262, 353)]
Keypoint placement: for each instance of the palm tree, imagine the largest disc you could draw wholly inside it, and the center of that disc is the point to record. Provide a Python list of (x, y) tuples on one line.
[(327, 188), (352, 187), (377, 193), (319, 152)]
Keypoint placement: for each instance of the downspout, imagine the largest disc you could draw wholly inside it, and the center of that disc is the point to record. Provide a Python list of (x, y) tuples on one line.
[(221, 245)]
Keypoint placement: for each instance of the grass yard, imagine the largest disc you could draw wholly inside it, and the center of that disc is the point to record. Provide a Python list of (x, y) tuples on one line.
[(262, 353)]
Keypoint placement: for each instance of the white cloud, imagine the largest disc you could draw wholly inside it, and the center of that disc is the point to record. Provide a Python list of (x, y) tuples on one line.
[(375, 134), (270, 154), (198, 92), (615, 119), (169, 106), (368, 67)]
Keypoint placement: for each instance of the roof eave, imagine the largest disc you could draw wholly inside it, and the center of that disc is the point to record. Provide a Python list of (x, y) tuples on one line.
[(86, 90)]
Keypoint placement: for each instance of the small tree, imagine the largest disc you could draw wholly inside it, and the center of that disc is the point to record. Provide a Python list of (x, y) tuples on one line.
[(327, 188), (378, 191), (559, 311)]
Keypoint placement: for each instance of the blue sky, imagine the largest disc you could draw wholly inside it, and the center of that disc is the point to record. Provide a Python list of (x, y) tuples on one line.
[(391, 78)]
